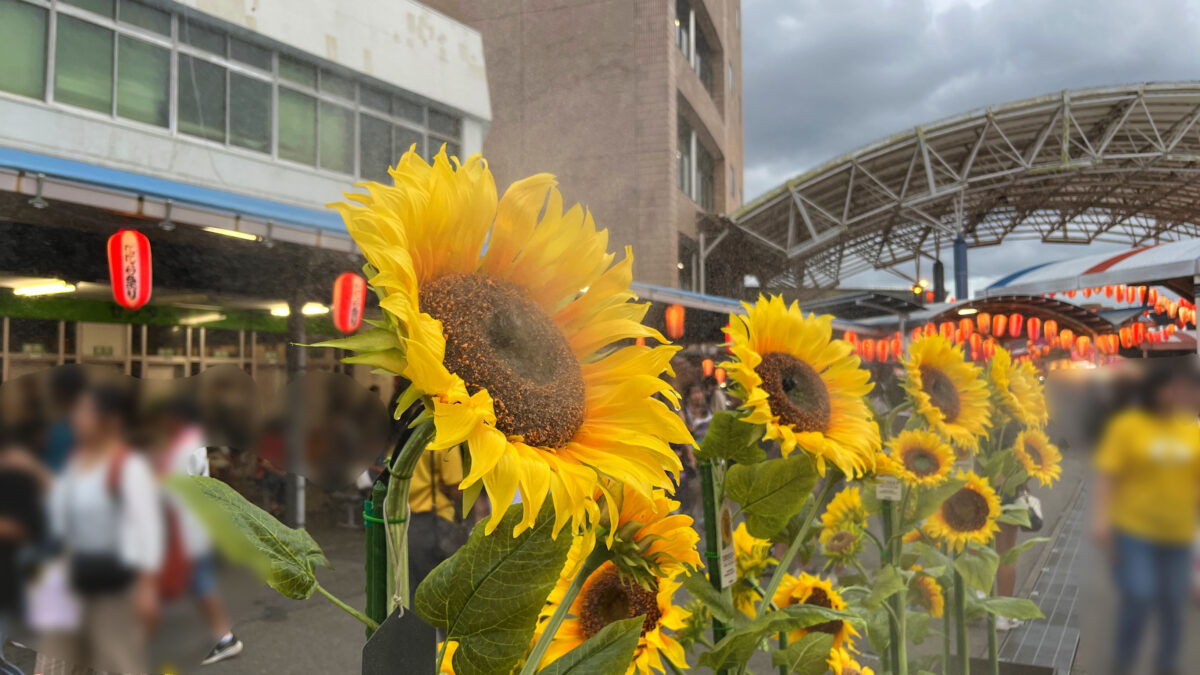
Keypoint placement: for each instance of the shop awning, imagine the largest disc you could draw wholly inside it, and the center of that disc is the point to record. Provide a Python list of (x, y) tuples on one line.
[(1173, 264)]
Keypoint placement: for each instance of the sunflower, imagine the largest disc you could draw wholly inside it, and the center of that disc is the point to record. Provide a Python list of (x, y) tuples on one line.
[(448, 660), (810, 590), (1039, 456), (846, 508), (804, 387), (753, 557), (967, 515), (927, 593), (841, 663), (947, 391), (608, 596), (912, 536), (507, 316), (1019, 389), (841, 544), (648, 540), (921, 458)]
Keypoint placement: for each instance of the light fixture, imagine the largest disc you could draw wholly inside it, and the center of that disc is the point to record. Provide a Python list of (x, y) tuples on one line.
[(679, 265), (309, 309), (48, 288), (224, 232), (280, 311), (924, 283), (197, 319), (967, 311)]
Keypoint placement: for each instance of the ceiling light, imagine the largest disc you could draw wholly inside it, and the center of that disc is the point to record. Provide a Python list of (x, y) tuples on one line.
[(309, 309), (280, 311), (48, 288), (231, 233), (967, 311), (197, 319), (679, 265)]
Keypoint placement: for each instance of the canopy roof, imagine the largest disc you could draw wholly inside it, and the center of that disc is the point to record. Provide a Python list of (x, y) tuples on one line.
[(1117, 164), (1173, 265)]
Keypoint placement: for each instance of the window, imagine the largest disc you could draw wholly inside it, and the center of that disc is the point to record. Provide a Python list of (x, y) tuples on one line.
[(201, 37), (249, 113), (295, 70), (695, 166), (201, 98), (403, 140), (337, 85), (453, 150), (374, 147), (297, 126), (446, 125), (374, 99), (703, 62), (337, 138), (705, 186), (102, 7), (145, 16), (23, 48), (251, 55), (143, 81), (683, 27), (683, 157), (402, 107), (83, 65)]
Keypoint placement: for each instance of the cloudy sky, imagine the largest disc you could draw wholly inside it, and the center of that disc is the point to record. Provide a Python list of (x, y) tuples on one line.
[(823, 77)]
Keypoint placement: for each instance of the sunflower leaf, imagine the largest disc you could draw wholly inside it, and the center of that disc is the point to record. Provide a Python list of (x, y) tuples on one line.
[(928, 502), (809, 656), (718, 605), (1013, 608), (1013, 554), (932, 557), (739, 644), (488, 594), (916, 627), (285, 558), (388, 360), (887, 583), (978, 565), (608, 652), (1014, 514), (374, 340), (771, 492), (728, 437)]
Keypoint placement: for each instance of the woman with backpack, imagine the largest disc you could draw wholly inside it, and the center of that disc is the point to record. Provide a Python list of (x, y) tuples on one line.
[(106, 510)]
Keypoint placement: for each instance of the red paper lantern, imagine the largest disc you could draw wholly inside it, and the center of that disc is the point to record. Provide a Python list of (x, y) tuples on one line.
[(1120, 293), (1083, 345), (674, 317), (897, 346), (930, 330), (928, 297), (1050, 328), (866, 349), (1139, 333), (882, 349), (1071, 293), (1033, 328), (850, 336), (1172, 309), (1170, 329), (984, 321), (349, 300), (1087, 292), (129, 268), (728, 341), (1126, 334), (719, 373), (1152, 297), (946, 328), (1015, 322), (641, 342), (1109, 290), (707, 366), (976, 342), (917, 333), (999, 322), (1141, 295), (967, 326), (989, 348)]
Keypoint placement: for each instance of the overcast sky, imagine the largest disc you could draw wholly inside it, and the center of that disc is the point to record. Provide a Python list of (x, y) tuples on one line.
[(823, 77)]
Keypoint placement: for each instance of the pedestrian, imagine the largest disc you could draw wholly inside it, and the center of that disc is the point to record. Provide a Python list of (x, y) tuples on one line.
[(1145, 512), (106, 510), (23, 481)]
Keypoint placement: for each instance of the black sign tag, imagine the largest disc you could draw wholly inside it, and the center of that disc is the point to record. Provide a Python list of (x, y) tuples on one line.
[(403, 644)]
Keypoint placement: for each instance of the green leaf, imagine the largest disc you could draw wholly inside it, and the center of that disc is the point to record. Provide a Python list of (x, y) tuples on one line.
[(928, 502), (608, 652), (1013, 554), (916, 627), (771, 492), (388, 360), (702, 589), (488, 594), (374, 340), (933, 558), (887, 583), (977, 565), (728, 437), (809, 656), (284, 557), (878, 629), (739, 644), (1013, 608), (1014, 514)]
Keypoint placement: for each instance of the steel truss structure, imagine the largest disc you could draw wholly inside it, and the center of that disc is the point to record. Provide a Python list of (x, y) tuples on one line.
[(1117, 164)]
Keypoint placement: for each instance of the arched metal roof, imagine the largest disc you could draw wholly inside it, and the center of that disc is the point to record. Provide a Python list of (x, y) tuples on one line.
[(1116, 164)]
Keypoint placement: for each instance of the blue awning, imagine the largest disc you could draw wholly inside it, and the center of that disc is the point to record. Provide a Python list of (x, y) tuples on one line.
[(179, 193)]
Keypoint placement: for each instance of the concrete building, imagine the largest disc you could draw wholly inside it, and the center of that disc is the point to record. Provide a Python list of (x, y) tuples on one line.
[(636, 106), (220, 130)]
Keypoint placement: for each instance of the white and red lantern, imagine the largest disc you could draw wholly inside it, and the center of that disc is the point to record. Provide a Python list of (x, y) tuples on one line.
[(349, 300), (129, 268)]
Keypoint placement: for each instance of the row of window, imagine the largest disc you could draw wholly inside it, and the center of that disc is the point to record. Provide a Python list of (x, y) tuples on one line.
[(141, 63), (696, 167)]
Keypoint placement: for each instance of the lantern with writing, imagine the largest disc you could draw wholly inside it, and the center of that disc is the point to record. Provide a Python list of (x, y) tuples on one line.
[(1083, 345), (129, 268), (707, 366), (1109, 290), (1015, 323), (674, 318), (989, 348), (1087, 292), (349, 299), (1033, 328)]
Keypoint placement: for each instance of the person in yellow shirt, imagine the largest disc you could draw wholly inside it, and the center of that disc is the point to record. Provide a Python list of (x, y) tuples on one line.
[(433, 529), (1147, 493)]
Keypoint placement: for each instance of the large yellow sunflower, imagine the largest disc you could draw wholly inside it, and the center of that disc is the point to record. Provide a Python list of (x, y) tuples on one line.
[(1039, 456), (967, 515), (841, 663), (1019, 389), (806, 388), (921, 458), (947, 391), (648, 540), (846, 508), (926, 592), (506, 315), (607, 596), (811, 590), (753, 558)]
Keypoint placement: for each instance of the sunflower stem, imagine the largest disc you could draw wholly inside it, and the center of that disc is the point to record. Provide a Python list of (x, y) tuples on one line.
[(598, 557), (889, 526), (783, 643), (899, 600), (366, 620), (947, 602), (395, 511), (786, 561), (710, 498), (993, 642), (960, 620)]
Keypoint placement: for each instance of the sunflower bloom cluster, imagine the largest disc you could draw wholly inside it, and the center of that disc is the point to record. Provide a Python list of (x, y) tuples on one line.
[(753, 558), (807, 589), (842, 526), (805, 388), (649, 541), (920, 458), (842, 663), (926, 592), (947, 391), (1019, 389), (1039, 457), (506, 314), (968, 515)]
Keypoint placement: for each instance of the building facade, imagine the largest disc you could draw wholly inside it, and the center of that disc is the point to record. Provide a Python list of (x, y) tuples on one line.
[(220, 130), (636, 106)]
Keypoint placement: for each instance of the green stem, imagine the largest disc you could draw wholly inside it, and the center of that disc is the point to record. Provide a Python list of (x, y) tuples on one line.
[(786, 561), (993, 642), (598, 556), (366, 620), (901, 603), (948, 605), (960, 621), (395, 510), (889, 538), (878, 543), (709, 498), (783, 643), (441, 655), (674, 668)]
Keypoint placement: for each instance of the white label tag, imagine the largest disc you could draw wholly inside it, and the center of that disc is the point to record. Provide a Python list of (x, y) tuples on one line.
[(726, 552), (887, 489)]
